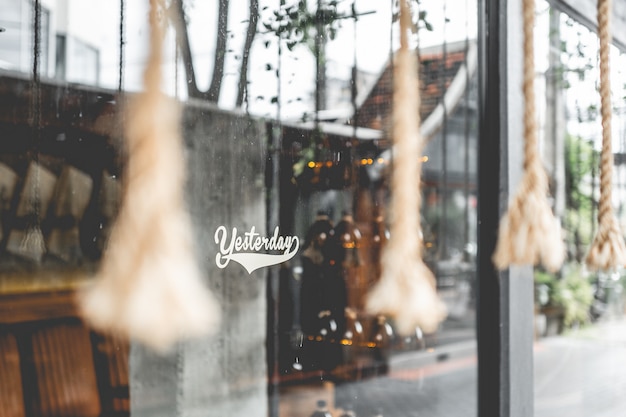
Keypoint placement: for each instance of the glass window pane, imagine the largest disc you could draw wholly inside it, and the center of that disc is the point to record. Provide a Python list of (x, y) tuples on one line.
[(329, 347), (579, 312), (287, 134)]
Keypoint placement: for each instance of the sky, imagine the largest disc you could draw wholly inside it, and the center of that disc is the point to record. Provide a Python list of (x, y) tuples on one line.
[(371, 45), (97, 22)]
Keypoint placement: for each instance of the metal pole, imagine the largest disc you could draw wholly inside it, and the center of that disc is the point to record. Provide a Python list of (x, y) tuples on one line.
[(505, 300)]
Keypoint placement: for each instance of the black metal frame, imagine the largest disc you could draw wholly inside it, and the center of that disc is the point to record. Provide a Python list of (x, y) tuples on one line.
[(584, 12), (505, 299), (488, 289)]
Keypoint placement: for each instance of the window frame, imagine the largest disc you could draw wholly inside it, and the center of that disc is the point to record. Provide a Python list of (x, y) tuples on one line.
[(504, 324)]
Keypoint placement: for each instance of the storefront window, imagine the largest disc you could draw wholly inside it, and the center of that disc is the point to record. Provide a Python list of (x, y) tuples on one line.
[(286, 130), (327, 105), (579, 311)]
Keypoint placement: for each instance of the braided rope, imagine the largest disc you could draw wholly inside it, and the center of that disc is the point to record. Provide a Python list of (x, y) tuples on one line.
[(529, 233), (607, 250), (149, 286), (406, 290), (605, 208), (532, 160)]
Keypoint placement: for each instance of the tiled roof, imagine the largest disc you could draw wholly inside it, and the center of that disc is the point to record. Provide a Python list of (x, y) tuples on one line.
[(435, 78)]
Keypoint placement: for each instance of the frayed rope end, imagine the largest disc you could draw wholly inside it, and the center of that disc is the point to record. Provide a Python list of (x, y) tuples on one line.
[(409, 297), (157, 312), (608, 250), (529, 234)]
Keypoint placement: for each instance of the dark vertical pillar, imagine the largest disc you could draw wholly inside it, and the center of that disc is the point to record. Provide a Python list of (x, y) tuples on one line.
[(490, 18), (505, 300), (273, 278)]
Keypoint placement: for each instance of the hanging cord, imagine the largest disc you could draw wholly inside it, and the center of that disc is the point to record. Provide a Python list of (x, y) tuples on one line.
[(391, 66), (466, 135), (354, 90), (149, 287), (443, 223), (36, 97), (529, 233), (607, 250), (354, 161), (32, 244), (36, 82), (406, 290), (122, 44)]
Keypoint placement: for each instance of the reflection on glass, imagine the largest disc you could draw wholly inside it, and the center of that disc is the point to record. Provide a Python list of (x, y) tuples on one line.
[(579, 313), (61, 182), (335, 194)]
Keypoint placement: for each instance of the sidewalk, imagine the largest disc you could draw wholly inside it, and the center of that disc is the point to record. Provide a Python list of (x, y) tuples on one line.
[(579, 374), (583, 373)]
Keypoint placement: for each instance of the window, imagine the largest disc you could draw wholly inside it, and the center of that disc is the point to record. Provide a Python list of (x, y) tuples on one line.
[(16, 45), (287, 135)]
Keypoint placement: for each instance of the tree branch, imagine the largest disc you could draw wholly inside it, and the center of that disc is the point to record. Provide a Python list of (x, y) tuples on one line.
[(213, 94), (243, 73), (177, 17)]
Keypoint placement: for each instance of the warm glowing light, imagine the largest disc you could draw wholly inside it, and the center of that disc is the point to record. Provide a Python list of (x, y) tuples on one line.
[(329, 164), (424, 158), (363, 161), (311, 164), (380, 160), (370, 161)]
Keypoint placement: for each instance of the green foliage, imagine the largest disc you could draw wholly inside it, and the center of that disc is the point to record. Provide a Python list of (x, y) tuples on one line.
[(455, 222), (421, 22), (544, 287), (544, 278), (580, 159), (575, 294), (307, 155), (296, 24), (574, 61)]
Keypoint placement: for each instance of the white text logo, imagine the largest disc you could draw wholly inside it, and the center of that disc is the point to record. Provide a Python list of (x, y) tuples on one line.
[(245, 249)]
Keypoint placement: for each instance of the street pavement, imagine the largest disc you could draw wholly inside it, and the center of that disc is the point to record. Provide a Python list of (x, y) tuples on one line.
[(580, 374)]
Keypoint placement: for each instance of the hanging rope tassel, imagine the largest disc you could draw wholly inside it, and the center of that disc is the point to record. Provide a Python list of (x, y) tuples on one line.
[(406, 290), (148, 286), (529, 232), (607, 250)]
